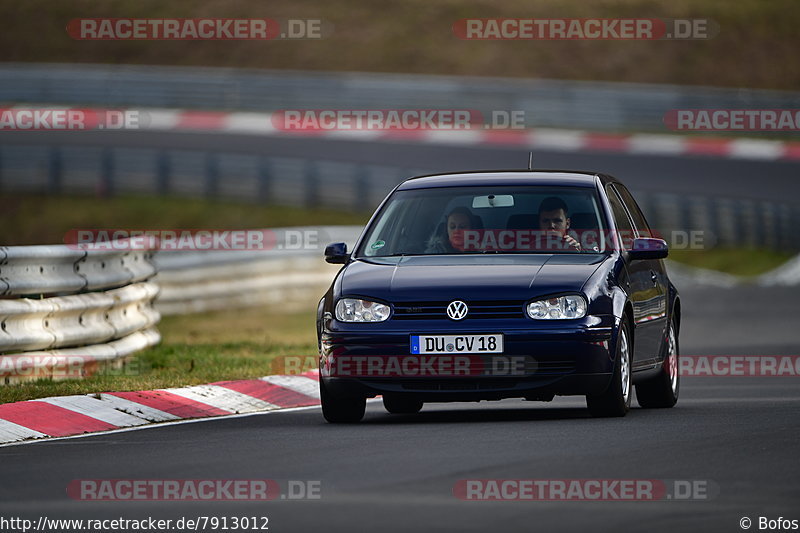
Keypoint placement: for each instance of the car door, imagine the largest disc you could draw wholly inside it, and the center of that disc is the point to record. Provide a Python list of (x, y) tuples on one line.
[(646, 291), (658, 274)]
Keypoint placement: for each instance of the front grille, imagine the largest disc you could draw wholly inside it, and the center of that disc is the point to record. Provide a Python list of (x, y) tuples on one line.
[(477, 310)]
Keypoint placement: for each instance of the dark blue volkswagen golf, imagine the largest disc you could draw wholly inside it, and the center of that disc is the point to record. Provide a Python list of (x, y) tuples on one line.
[(491, 285)]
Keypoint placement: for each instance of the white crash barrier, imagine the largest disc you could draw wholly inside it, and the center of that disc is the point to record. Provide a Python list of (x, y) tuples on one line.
[(195, 281), (250, 283), (73, 363), (78, 319), (67, 269), (113, 268), (73, 306), (28, 270), (67, 311)]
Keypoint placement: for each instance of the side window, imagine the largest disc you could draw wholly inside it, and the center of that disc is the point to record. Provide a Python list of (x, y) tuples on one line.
[(621, 220), (633, 208)]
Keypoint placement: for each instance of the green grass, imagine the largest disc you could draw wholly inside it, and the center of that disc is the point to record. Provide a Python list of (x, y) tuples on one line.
[(41, 219), (746, 262), (197, 349), (755, 46)]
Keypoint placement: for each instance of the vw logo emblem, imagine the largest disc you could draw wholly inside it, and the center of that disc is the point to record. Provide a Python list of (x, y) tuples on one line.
[(457, 310)]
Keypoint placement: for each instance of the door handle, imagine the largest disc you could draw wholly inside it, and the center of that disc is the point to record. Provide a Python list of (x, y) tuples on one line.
[(654, 277)]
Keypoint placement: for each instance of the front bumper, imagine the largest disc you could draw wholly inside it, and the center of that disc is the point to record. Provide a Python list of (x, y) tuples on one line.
[(547, 358)]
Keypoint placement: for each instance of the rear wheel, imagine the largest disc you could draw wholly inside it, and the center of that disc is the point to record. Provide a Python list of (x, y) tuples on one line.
[(662, 391), (399, 405), (341, 410), (616, 400)]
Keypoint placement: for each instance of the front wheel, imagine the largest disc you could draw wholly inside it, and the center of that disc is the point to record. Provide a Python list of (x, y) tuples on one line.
[(662, 390), (341, 410), (616, 400)]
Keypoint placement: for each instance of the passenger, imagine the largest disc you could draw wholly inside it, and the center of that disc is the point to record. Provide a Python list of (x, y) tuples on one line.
[(451, 238), (554, 220)]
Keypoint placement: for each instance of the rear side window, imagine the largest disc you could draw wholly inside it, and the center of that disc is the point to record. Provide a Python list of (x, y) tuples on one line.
[(633, 208), (621, 220)]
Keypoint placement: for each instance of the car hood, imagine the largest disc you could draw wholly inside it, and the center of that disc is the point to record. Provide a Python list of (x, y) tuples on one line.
[(474, 277)]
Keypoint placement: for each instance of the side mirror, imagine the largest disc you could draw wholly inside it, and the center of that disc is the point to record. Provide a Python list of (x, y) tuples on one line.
[(336, 253), (648, 249)]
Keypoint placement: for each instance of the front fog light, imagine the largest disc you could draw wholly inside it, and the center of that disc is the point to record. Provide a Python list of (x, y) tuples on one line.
[(355, 310), (559, 308)]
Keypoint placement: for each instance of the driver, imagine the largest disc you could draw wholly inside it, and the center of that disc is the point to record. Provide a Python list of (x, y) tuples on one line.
[(554, 220)]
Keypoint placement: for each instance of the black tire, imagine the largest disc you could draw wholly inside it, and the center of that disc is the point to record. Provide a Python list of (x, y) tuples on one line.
[(341, 410), (613, 401), (399, 405), (662, 391)]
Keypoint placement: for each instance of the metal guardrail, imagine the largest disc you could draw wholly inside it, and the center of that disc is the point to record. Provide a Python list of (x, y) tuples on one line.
[(199, 281), (277, 180), (76, 320), (65, 301), (606, 106), (49, 270), (341, 185), (40, 270), (109, 311), (71, 363)]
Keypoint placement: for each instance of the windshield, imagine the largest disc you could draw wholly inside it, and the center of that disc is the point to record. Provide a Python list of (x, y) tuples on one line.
[(505, 219)]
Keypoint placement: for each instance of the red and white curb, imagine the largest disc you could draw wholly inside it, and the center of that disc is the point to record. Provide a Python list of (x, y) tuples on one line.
[(249, 123), (64, 416), (545, 139)]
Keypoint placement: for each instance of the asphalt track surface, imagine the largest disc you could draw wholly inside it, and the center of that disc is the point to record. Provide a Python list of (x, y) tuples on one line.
[(397, 473)]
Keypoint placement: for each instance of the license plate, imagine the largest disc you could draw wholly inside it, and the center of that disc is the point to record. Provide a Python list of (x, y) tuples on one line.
[(425, 344)]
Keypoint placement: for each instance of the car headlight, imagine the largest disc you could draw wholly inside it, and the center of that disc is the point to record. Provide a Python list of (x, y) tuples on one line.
[(355, 310), (558, 308)]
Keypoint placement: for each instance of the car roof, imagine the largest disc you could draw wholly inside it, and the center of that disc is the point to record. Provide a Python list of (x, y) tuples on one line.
[(506, 177)]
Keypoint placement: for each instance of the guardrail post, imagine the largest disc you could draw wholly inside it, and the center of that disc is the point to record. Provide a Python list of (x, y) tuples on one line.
[(106, 187), (713, 221), (765, 226), (163, 172), (726, 220), (212, 175), (740, 235), (264, 179), (311, 184), (782, 227), (685, 219), (361, 196), (55, 175)]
